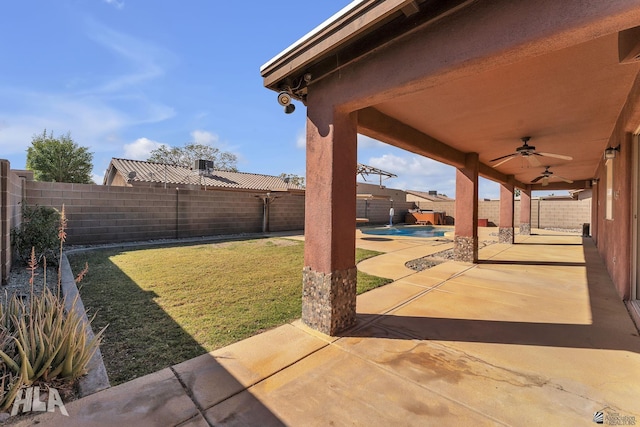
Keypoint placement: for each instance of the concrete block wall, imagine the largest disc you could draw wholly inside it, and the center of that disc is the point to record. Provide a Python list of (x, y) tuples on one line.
[(448, 207), (10, 214), (208, 213), (563, 213), (286, 213), (101, 214), (5, 224), (490, 209), (375, 189), (545, 213), (377, 211)]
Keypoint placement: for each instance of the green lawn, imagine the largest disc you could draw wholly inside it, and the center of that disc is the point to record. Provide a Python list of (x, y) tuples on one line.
[(165, 305)]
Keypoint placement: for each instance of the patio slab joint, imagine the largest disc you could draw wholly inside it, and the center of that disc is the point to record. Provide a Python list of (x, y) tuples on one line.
[(189, 394)]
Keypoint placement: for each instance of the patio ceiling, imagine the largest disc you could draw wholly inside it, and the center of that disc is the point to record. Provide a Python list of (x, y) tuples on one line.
[(568, 101), (565, 89)]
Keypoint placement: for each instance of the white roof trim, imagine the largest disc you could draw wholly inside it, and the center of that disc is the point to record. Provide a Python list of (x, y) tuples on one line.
[(344, 11)]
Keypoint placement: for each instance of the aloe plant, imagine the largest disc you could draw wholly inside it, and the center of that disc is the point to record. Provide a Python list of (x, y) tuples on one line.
[(9, 386), (44, 341)]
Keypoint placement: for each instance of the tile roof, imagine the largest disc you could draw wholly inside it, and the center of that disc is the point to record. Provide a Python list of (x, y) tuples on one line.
[(427, 196), (174, 174)]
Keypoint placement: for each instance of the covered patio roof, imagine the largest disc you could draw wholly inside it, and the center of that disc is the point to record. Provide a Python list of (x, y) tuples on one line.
[(442, 79)]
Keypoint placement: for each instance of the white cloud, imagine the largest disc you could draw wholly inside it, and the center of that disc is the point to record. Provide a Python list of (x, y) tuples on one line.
[(488, 189), (201, 115), (301, 140), (97, 113), (146, 61), (115, 3), (140, 149), (366, 142), (409, 165), (204, 137), (92, 120), (415, 173)]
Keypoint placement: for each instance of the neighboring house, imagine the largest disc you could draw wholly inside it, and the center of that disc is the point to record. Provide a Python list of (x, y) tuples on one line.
[(582, 194), (374, 191), (430, 196), (137, 173)]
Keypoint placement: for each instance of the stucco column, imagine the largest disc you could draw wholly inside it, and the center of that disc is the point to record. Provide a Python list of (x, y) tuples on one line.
[(329, 275), (507, 207), (466, 226), (525, 211)]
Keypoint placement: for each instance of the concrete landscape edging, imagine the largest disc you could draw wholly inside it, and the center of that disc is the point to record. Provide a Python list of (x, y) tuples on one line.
[(96, 378)]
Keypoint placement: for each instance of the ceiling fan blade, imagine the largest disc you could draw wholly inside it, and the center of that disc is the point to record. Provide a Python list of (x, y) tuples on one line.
[(504, 157), (505, 160), (545, 181), (556, 156), (533, 160), (568, 181), (537, 179)]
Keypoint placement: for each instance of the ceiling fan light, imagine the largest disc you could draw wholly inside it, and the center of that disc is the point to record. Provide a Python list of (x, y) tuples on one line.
[(528, 154)]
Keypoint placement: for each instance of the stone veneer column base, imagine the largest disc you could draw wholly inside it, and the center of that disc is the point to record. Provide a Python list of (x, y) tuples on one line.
[(329, 300), (525, 228), (505, 235), (465, 249)]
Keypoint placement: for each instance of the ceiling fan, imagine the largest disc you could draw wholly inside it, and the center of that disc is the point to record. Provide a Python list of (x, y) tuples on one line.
[(529, 152), (544, 176)]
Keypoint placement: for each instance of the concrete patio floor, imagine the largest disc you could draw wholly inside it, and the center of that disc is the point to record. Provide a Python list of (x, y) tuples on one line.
[(534, 334)]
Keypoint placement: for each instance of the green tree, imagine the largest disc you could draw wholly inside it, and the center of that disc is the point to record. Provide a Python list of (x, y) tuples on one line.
[(293, 179), (187, 155), (59, 159)]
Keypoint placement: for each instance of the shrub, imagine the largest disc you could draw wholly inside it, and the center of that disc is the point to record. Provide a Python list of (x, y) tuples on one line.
[(37, 231)]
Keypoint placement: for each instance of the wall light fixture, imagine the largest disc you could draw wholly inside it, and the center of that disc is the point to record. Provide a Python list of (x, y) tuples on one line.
[(610, 152)]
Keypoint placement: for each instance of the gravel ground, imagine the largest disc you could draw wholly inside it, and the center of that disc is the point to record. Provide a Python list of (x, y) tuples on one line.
[(432, 260), (18, 282)]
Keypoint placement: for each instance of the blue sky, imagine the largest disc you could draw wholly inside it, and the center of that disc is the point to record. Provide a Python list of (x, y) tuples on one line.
[(124, 76)]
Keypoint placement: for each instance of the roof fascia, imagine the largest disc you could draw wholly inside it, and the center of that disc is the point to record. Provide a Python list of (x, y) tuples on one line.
[(332, 34)]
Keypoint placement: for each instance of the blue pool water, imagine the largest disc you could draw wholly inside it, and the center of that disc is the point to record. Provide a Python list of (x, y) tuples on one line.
[(418, 231)]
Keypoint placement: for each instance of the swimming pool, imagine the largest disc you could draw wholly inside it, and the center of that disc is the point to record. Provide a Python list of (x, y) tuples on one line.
[(414, 231)]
